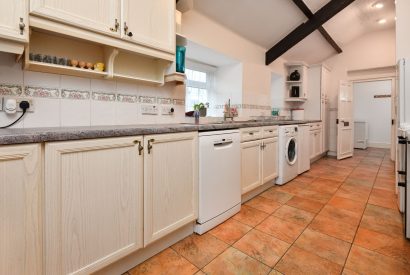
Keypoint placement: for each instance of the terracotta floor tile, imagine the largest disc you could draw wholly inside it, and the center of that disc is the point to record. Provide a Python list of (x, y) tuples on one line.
[(299, 261), (305, 204), (325, 246), (350, 192), (250, 216), (333, 176), (200, 250), (333, 227), (382, 220), (389, 184), (359, 182), (263, 247), (305, 178), (341, 215), (347, 271), (278, 196), (230, 231), (275, 272), (364, 261), (295, 215), (351, 205), (384, 198), (315, 195), (164, 263), (263, 204), (281, 229), (398, 248), (233, 261)]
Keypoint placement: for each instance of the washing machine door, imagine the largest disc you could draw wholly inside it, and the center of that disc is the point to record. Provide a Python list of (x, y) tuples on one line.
[(291, 151)]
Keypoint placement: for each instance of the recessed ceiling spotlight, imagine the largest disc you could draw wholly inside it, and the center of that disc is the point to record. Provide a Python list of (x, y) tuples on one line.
[(382, 21), (378, 5)]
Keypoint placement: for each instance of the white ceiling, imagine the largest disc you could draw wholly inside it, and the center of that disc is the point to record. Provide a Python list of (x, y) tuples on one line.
[(266, 22)]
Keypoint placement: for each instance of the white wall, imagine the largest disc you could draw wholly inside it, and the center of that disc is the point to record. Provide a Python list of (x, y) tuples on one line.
[(402, 28), (373, 50), (376, 111)]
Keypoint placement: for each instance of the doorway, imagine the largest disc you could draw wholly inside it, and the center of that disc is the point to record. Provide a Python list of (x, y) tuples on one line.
[(372, 112)]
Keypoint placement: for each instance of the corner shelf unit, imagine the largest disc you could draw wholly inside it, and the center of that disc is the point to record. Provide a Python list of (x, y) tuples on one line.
[(301, 67), (171, 74), (119, 63)]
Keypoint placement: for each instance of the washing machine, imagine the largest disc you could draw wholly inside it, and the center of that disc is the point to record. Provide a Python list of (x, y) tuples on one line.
[(288, 153)]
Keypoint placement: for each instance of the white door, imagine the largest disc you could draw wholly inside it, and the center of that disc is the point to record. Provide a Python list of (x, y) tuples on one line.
[(93, 203), (270, 159), (20, 210), (345, 121), (170, 183), (150, 23), (251, 163), (96, 15), (14, 20), (394, 126)]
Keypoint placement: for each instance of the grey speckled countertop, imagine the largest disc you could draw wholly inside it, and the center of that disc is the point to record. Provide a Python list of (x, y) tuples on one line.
[(38, 135)]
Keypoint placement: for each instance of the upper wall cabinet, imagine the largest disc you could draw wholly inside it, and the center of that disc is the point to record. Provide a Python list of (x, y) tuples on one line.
[(97, 15), (151, 23), (13, 25)]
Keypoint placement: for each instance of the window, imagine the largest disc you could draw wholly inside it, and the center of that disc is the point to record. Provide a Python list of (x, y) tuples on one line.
[(197, 88)]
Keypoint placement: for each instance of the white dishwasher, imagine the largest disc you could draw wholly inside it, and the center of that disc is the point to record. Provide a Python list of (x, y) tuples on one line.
[(219, 178)]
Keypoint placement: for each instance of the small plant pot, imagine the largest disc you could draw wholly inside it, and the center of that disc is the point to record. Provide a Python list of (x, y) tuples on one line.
[(202, 112)]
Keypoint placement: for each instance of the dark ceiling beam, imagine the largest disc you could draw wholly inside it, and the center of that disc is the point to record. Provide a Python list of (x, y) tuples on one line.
[(309, 14), (302, 31)]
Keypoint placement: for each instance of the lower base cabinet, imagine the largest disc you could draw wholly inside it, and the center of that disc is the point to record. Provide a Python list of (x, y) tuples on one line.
[(93, 203), (21, 210), (170, 183)]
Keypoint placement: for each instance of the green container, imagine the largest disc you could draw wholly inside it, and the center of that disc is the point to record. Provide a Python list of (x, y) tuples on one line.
[(180, 59)]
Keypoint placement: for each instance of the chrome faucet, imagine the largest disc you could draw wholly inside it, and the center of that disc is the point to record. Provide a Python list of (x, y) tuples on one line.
[(228, 111)]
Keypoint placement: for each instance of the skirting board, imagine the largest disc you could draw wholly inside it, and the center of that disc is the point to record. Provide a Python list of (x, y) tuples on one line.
[(251, 194), (378, 145), (141, 255)]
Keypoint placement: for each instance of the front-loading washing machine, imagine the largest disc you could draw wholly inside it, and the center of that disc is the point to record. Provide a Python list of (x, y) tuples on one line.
[(288, 153)]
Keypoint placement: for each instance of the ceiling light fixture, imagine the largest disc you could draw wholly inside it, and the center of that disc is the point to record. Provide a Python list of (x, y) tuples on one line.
[(382, 21), (378, 5)]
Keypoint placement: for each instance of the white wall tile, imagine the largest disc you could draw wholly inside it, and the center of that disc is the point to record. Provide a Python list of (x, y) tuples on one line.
[(127, 88), (102, 112), (47, 113), (41, 79), (100, 85), (75, 112), (75, 83), (127, 113), (6, 119), (10, 71)]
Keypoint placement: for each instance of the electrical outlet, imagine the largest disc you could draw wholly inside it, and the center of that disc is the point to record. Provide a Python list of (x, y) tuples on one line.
[(149, 109), (167, 110), (29, 110)]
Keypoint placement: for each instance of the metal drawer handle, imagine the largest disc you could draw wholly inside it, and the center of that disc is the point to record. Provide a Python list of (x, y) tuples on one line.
[(22, 26), (116, 26), (150, 145)]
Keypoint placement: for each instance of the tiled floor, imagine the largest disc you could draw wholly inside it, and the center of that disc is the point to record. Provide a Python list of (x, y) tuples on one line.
[(338, 218)]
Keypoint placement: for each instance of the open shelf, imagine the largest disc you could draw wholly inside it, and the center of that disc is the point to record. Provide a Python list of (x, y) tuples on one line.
[(294, 82), (295, 99), (137, 79)]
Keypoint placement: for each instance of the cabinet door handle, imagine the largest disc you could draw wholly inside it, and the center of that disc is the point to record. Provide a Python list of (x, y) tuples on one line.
[(22, 26), (140, 147), (116, 26), (129, 34), (149, 147)]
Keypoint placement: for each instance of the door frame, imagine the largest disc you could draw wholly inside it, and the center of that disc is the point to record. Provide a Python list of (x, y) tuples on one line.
[(381, 74)]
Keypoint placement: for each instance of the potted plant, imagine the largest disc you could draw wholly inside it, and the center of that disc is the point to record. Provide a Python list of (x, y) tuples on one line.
[(202, 108)]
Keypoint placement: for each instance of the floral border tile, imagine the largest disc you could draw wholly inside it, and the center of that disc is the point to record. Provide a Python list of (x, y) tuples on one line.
[(179, 102), (75, 94), (148, 99), (103, 96), (41, 92), (127, 98), (13, 90), (162, 100)]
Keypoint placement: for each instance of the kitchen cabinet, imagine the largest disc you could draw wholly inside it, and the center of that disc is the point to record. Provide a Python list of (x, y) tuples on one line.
[(13, 20), (93, 203), (150, 23), (316, 140), (95, 15), (300, 87), (20, 209), (170, 183), (259, 157)]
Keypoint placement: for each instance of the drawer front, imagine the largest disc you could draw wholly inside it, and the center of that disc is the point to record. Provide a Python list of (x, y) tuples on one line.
[(248, 134), (271, 131), (315, 126)]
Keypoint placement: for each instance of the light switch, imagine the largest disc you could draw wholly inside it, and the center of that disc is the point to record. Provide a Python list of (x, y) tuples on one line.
[(149, 109)]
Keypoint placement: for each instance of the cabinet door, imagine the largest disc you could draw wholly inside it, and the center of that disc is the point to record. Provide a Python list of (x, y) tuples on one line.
[(96, 15), (150, 23), (20, 210), (251, 165), (312, 142), (93, 203), (319, 142), (270, 159), (170, 183), (12, 13)]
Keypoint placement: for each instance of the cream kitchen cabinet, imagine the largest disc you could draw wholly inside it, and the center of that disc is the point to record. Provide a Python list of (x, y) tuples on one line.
[(20, 210), (259, 157), (96, 15), (93, 203), (150, 23), (316, 140), (13, 20), (170, 183)]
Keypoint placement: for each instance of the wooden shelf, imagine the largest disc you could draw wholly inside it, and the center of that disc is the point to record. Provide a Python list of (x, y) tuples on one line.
[(138, 79), (178, 78), (294, 82), (65, 70), (295, 99)]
